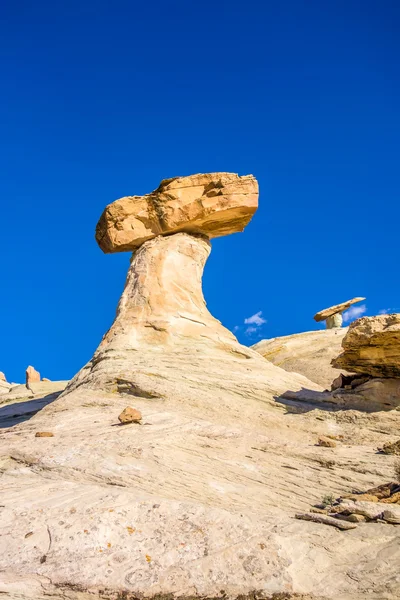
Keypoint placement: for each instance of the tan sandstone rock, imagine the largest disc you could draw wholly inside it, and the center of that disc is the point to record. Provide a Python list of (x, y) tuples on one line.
[(309, 353), (40, 434), (31, 375), (199, 503), (326, 442), (322, 315), (164, 339), (130, 415), (213, 204), (2, 376), (391, 448), (372, 346)]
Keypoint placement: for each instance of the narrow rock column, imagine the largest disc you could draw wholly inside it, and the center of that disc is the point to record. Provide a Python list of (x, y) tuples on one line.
[(161, 312), (334, 321)]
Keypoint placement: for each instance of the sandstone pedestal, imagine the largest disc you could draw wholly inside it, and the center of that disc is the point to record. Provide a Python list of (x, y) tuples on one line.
[(334, 321), (333, 315)]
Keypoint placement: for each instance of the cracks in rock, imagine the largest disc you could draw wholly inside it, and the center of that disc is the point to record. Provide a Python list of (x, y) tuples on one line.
[(128, 387)]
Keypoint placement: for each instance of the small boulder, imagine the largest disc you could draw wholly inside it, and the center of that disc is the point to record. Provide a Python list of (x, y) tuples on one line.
[(44, 434), (130, 415), (31, 375), (326, 442), (45, 379), (392, 515), (391, 448)]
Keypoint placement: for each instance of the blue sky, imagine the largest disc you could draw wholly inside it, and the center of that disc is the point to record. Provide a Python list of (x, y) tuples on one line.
[(104, 99)]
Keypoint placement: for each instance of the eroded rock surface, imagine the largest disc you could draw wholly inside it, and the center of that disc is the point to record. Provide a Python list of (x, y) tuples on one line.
[(213, 204), (200, 500), (372, 345), (309, 353)]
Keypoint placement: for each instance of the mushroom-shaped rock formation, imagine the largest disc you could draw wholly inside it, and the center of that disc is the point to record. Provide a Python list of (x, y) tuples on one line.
[(213, 204), (333, 314), (163, 337), (372, 346), (199, 501)]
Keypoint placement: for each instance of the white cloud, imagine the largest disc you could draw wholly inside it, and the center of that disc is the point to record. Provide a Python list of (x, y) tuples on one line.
[(251, 330), (236, 328), (354, 312), (256, 320), (384, 311)]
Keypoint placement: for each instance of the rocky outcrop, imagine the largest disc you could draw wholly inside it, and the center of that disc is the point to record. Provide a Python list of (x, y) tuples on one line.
[(199, 500), (333, 314), (213, 204), (309, 353), (2, 376), (31, 375), (372, 346)]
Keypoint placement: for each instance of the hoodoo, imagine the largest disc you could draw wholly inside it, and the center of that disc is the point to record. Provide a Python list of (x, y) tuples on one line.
[(174, 463), (162, 328)]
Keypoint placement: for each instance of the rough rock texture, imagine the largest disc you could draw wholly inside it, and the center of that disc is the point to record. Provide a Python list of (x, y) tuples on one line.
[(213, 204), (374, 395), (2, 376), (308, 353), (31, 375), (338, 308), (130, 415), (372, 345), (164, 340), (200, 499)]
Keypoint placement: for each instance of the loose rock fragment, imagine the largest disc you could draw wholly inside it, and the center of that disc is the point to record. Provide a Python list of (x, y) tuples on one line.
[(326, 442), (392, 516), (325, 520), (130, 415), (44, 434)]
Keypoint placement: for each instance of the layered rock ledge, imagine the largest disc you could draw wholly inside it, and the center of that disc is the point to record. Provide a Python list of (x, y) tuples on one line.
[(372, 346)]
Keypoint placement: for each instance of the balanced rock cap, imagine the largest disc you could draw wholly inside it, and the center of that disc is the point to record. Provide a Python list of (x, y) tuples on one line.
[(212, 204), (333, 310)]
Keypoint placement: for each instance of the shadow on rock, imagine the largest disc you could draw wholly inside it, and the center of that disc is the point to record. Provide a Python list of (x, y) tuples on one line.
[(375, 395), (18, 412)]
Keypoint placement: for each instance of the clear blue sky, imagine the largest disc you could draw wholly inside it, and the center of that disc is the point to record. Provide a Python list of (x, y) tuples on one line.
[(104, 99)]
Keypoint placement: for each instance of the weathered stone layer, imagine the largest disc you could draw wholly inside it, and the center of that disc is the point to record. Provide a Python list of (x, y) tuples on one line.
[(372, 345)]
